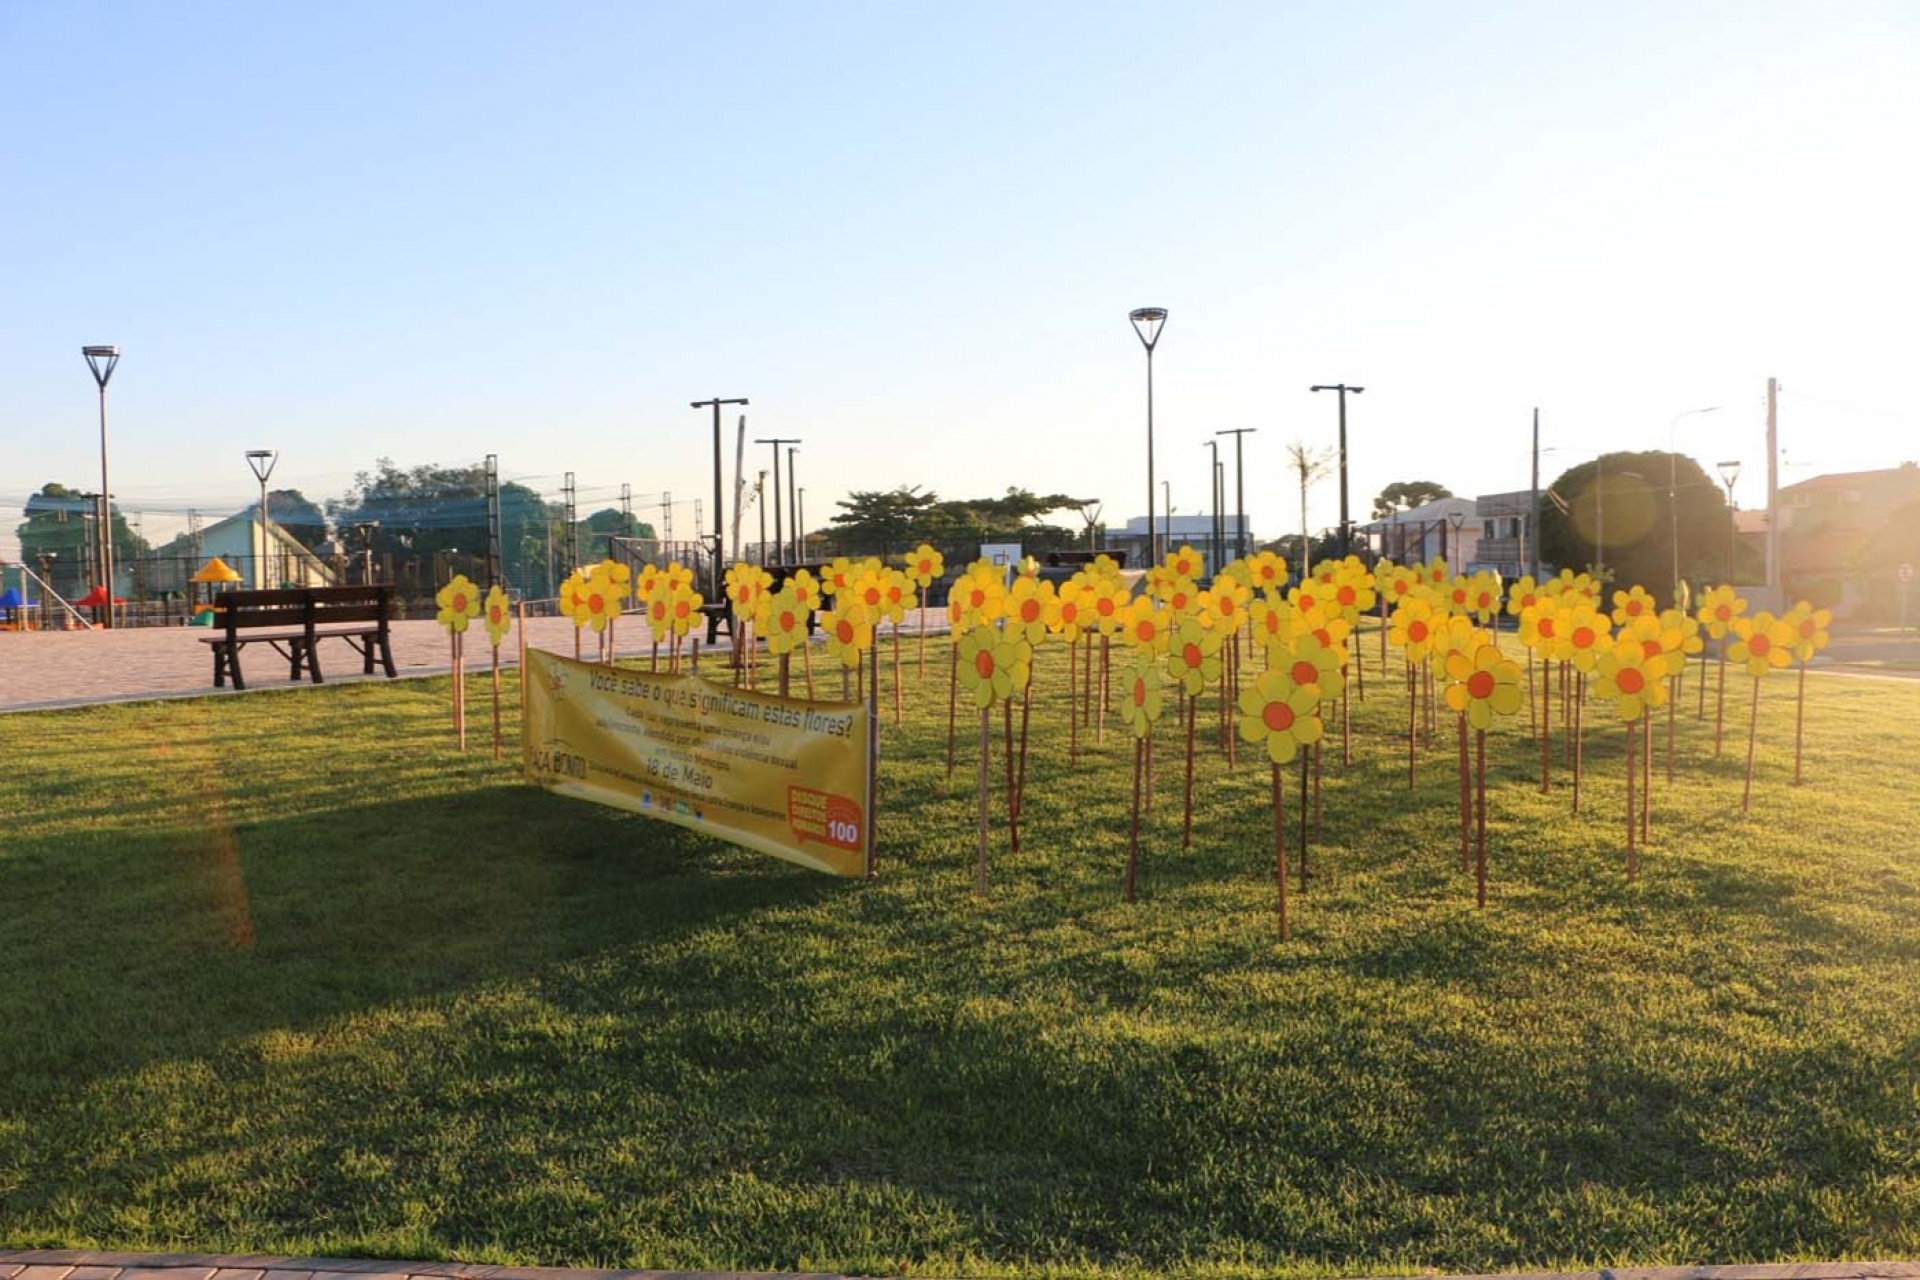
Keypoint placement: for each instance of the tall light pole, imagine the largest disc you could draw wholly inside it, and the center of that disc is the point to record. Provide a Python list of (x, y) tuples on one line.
[(261, 461), (1673, 510), (1166, 492), (1729, 472), (793, 496), (719, 509), (776, 442), (800, 522), (1147, 322), (1346, 525), (1213, 529), (1241, 544), (103, 359), (1456, 518)]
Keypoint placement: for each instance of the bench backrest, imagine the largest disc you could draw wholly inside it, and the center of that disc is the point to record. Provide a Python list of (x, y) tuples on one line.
[(301, 607)]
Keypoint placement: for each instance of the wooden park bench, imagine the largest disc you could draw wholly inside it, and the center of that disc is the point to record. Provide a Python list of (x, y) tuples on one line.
[(294, 621)]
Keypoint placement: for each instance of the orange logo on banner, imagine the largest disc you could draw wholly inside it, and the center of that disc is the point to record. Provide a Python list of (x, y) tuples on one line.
[(823, 818)]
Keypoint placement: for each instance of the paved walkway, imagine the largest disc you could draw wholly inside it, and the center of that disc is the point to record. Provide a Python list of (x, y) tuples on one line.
[(56, 1264), (41, 670)]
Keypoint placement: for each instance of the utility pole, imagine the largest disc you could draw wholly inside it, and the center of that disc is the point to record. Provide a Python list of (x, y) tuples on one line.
[(779, 548), (1775, 600), (1241, 544), (719, 537), (1346, 525), (1533, 507), (1213, 526)]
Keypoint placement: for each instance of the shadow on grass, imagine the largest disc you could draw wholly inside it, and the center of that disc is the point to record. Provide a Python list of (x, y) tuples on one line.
[(161, 943)]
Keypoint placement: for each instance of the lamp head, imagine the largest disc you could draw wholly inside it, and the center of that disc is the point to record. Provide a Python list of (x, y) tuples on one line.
[(1456, 519), (1147, 322), (1729, 471), (101, 358), (261, 461)]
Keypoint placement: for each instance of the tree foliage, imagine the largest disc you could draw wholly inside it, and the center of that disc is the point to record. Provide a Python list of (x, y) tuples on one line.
[(896, 520), (1631, 513), (1405, 495), (59, 526), (416, 513)]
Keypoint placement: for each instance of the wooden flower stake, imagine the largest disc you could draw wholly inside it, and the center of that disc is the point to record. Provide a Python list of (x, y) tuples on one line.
[(520, 633), (1186, 823), (1753, 725), (1579, 705), (459, 693), (1720, 709), (1346, 721), (1673, 711), (1546, 723), (1533, 703), (1086, 693), (953, 699), (496, 702), (923, 637), (576, 640), (1633, 813), (806, 662), (986, 789), (786, 669), (1316, 797), (1466, 802), (1106, 696), (1073, 718), (1412, 708), (1013, 795), (1646, 778), (1133, 837), (653, 662), (1703, 685), (1280, 848), (1480, 806), (1799, 720), (1359, 664), (1020, 788), (896, 672)]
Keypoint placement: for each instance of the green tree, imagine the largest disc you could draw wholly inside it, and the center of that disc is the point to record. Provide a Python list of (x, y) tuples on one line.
[(413, 515), (1622, 498), (304, 521), (1405, 495), (59, 527), (598, 530)]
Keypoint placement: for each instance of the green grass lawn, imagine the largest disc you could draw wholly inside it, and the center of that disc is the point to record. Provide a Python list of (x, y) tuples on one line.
[(288, 973)]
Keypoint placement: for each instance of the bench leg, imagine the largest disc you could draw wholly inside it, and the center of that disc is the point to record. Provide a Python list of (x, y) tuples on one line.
[(233, 667), (386, 656), (219, 668), (313, 661)]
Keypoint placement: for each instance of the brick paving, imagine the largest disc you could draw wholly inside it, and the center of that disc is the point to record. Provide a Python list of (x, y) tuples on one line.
[(42, 670), (64, 1264)]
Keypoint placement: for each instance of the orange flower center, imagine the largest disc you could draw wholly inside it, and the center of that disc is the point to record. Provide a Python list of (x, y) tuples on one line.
[(1723, 612), (1346, 596), (844, 630), (1582, 637), (1305, 672), (681, 609), (1649, 648), (1143, 632), (1417, 631), (1760, 645), (1191, 655), (977, 598), (1306, 602), (459, 602), (1546, 627), (1400, 587), (1139, 692), (1029, 610), (1808, 630), (1633, 608), (983, 664), (1480, 685), (787, 621), (594, 602), (1277, 716), (1630, 680), (1323, 637)]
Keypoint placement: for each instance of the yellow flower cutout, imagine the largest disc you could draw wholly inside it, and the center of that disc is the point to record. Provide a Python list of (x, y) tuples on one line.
[(683, 611), (1268, 573), (1224, 605), (781, 620), (1105, 566), (1271, 620), (1141, 699), (870, 589), (848, 628), (646, 581), (600, 599), (1184, 563), (1632, 682), (838, 576), (498, 611), (897, 596), (1633, 603), (1308, 661), (459, 603), (1764, 643), (1194, 654), (925, 564), (992, 666), (573, 599), (979, 596), (1027, 609), (1483, 596), (1353, 592), (1585, 633), (1459, 595), (1281, 714), (1070, 611), (1413, 629), (1459, 635), (1309, 596), (1809, 629), (1396, 582), (1718, 610), (1110, 604), (1146, 625), (1330, 629), (1481, 684), (1522, 595)]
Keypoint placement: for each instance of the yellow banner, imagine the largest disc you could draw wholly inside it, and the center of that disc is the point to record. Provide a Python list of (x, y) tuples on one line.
[(778, 775)]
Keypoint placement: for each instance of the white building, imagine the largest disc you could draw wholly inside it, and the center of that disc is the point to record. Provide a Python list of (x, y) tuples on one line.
[(1416, 536)]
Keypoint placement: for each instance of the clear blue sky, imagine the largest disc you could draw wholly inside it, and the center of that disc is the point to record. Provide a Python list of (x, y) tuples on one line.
[(912, 234)]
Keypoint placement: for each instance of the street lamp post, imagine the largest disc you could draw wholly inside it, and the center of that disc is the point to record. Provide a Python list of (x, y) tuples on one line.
[(1241, 544), (261, 462), (793, 501), (1729, 472), (1456, 518), (800, 520), (1673, 486), (1147, 322), (776, 442), (719, 510), (1213, 529), (102, 359), (1346, 525), (1166, 493)]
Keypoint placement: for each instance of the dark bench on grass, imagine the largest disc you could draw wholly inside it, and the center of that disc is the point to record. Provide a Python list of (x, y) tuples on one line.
[(719, 613), (294, 621)]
